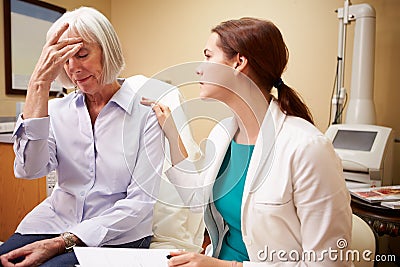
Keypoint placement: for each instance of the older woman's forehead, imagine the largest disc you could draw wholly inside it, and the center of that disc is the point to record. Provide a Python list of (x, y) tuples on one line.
[(69, 33)]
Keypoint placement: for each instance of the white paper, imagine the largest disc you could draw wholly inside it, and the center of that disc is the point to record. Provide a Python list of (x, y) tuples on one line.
[(127, 257)]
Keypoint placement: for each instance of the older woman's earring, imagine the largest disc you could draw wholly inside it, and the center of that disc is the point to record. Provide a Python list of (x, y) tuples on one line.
[(75, 88)]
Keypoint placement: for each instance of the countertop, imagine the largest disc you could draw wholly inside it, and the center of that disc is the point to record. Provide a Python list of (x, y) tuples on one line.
[(6, 138)]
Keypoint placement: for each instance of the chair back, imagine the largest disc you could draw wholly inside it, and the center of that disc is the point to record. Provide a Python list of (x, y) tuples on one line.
[(363, 239)]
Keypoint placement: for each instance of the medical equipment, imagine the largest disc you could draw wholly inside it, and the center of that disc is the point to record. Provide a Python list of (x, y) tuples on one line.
[(366, 152), (361, 107)]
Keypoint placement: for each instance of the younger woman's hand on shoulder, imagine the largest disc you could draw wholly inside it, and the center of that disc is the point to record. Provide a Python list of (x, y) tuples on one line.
[(178, 151), (164, 117)]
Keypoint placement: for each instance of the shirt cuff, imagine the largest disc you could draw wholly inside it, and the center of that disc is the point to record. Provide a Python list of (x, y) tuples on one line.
[(33, 128), (90, 234)]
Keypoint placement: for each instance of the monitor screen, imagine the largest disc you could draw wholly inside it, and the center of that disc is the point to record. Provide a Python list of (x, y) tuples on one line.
[(354, 140)]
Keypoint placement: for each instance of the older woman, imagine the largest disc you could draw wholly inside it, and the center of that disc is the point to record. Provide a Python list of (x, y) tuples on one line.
[(104, 145)]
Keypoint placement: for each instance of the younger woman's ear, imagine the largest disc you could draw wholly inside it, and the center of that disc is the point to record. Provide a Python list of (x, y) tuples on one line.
[(240, 63)]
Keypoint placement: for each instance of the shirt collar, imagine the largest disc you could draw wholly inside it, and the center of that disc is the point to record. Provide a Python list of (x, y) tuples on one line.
[(124, 97)]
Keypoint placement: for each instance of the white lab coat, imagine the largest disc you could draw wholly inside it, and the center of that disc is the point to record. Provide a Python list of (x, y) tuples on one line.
[(295, 198), (174, 226)]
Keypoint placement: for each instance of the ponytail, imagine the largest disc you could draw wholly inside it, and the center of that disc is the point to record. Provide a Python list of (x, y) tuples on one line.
[(261, 42), (291, 103)]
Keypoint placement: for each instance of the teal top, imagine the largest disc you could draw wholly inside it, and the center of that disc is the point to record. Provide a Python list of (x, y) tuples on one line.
[(227, 193)]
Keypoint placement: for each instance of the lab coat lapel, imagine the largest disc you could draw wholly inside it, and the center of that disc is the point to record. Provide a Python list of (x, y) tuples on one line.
[(263, 154), (262, 159), (218, 141)]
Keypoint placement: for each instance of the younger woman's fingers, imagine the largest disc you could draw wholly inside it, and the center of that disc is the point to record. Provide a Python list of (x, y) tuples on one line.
[(158, 110), (178, 252), (179, 259), (152, 103), (147, 102)]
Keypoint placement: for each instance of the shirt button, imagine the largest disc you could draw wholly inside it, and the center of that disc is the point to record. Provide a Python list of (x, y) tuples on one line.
[(82, 193)]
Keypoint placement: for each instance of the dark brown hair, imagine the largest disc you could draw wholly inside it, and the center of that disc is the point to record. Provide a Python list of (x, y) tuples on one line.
[(261, 42)]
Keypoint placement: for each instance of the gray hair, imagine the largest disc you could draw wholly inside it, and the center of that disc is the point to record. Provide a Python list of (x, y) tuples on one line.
[(93, 27)]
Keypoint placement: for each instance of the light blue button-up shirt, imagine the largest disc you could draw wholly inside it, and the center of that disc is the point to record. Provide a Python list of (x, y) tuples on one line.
[(108, 173)]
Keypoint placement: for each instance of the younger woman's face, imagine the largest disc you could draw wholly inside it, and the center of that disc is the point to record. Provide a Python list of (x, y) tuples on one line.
[(217, 72)]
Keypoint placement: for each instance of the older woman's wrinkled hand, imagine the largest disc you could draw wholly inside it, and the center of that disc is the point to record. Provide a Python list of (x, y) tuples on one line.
[(55, 54)]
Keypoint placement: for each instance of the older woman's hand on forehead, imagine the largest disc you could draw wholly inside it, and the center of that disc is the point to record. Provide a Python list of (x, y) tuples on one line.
[(55, 54)]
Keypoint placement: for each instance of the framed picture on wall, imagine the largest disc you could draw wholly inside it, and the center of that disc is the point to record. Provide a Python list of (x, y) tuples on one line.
[(25, 26)]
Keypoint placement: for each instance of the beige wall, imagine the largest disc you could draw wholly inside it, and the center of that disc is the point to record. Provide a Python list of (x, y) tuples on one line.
[(7, 102), (158, 34)]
